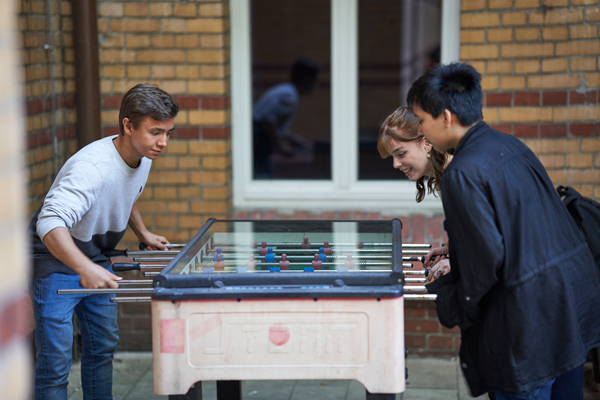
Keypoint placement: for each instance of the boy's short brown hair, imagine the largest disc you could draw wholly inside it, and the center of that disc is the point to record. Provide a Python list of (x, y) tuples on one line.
[(146, 99)]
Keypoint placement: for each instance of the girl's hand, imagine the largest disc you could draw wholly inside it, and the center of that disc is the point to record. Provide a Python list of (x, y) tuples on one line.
[(434, 256), (439, 269)]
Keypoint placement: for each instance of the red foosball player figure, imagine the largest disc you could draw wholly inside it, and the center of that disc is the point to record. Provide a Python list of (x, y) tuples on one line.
[(219, 264), (263, 250), (284, 264), (317, 264), (305, 243), (251, 264), (326, 248), (349, 263)]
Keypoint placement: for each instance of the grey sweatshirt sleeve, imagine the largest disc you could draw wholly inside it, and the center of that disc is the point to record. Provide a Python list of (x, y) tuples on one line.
[(69, 198)]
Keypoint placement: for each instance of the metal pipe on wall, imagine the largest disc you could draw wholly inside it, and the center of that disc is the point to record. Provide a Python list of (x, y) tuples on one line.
[(87, 75)]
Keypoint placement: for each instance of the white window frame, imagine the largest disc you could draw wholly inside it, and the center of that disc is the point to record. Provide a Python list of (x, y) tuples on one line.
[(344, 191)]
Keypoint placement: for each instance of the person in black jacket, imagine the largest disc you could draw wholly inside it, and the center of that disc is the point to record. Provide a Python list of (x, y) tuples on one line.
[(524, 288)]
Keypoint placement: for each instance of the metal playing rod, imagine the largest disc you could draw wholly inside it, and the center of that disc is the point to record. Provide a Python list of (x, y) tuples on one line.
[(415, 289), (292, 251), (320, 244), (152, 259), (415, 280), (420, 296), (105, 291), (135, 282), (130, 300)]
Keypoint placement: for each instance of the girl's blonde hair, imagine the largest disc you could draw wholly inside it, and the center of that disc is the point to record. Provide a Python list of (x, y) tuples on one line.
[(402, 125)]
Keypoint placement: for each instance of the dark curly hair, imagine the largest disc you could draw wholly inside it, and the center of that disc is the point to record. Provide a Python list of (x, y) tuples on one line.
[(402, 125)]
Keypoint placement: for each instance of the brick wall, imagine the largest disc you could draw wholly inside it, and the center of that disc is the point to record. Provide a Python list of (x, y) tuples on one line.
[(15, 359), (539, 61), (184, 49), (40, 52)]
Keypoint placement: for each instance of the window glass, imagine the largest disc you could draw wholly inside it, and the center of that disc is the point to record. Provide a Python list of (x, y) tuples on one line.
[(291, 54), (397, 42)]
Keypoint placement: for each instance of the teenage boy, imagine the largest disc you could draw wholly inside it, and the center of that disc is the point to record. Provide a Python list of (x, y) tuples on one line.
[(524, 288), (84, 214)]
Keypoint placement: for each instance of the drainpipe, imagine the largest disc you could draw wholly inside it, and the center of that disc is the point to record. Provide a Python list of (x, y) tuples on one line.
[(50, 48), (87, 76)]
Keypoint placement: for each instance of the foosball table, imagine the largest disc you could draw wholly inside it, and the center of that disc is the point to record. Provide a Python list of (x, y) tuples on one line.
[(289, 300)]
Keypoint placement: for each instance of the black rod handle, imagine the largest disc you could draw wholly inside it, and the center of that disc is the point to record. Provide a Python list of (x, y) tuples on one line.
[(120, 267)]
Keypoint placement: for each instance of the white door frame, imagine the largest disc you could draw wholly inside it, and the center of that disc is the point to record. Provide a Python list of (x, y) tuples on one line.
[(344, 191)]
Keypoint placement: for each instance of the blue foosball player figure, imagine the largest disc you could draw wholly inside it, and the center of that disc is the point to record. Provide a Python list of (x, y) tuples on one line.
[(270, 256), (218, 253), (322, 255)]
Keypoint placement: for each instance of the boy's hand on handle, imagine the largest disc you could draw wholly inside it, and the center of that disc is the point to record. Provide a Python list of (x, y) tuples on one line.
[(94, 276), (153, 242), (434, 256)]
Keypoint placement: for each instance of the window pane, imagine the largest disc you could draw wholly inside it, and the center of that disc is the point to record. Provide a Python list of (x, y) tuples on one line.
[(398, 41), (291, 112)]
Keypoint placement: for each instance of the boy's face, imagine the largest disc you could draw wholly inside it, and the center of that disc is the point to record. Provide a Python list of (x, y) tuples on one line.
[(434, 129), (150, 138)]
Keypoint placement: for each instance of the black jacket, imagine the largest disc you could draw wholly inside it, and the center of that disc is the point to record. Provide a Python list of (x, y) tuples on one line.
[(524, 288)]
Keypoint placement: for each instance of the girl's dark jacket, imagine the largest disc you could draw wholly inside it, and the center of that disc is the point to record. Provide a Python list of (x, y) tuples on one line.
[(524, 288)]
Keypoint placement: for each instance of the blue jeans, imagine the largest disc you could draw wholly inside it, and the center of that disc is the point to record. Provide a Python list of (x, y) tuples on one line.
[(568, 386), (53, 313)]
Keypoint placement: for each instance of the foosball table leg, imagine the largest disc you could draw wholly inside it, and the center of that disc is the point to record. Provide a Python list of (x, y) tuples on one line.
[(229, 390), (195, 393), (380, 396)]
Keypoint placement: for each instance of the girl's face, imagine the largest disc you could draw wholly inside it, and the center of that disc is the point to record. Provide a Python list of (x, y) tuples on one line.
[(411, 158)]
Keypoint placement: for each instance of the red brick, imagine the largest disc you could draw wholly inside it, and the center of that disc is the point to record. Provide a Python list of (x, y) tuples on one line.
[(111, 101), (186, 132), (581, 130), (111, 130), (219, 102), (418, 237), (441, 342), (418, 222), (270, 214), (527, 99), (216, 132), (72, 131), (32, 141), (241, 214), (329, 215), (125, 323), (254, 215), (553, 130), (421, 326), (67, 100), (498, 99), (554, 98), (136, 309), (34, 107), (142, 323), (357, 216), (588, 97), (188, 102), (502, 128), (434, 226), (525, 130), (413, 312), (412, 341), (344, 215), (374, 216), (44, 137), (300, 215)]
